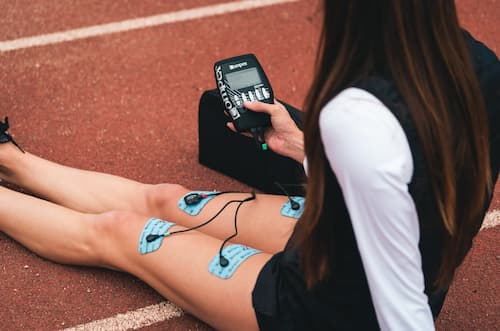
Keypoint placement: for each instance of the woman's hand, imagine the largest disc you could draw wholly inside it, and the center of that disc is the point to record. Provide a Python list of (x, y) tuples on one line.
[(284, 137)]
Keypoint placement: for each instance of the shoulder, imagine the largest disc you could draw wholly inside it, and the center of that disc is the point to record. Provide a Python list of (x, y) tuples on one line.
[(362, 136), (481, 54), (357, 104)]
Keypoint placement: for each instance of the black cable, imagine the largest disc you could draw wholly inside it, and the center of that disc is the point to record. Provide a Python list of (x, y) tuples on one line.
[(258, 136), (222, 260), (153, 237), (294, 204)]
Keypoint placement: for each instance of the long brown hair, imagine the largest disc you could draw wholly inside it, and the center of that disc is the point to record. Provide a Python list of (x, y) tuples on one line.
[(423, 48)]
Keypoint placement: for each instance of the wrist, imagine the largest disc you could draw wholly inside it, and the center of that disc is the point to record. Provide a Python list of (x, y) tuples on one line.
[(295, 146)]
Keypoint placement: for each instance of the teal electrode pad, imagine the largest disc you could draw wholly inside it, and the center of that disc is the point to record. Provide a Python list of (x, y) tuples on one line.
[(236, 254), (196, 208), (287, 210), (153, 226)]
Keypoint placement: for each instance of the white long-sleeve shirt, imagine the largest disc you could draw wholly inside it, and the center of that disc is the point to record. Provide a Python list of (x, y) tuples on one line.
[(368, 151)]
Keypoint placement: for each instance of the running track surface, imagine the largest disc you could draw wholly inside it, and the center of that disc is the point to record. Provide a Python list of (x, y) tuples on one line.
[(126, 103)]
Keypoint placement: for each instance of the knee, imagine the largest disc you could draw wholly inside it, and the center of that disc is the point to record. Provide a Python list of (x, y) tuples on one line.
[(110, 231), (163, 197)]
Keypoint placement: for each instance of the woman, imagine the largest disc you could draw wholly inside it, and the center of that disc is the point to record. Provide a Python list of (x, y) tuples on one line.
[(399, 174)]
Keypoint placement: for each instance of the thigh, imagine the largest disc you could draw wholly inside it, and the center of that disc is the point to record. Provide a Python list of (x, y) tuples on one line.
[(179, 271), (260, 222)]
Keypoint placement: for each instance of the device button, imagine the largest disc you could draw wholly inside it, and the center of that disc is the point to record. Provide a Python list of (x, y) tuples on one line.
[(251, 96), (244, 97), (237, 100), (258, 94), (265, 93)]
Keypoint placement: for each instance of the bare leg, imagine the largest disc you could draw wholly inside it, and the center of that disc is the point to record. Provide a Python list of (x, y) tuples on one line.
[(94, 192), (47, 229), (178, 270), (81, 190)]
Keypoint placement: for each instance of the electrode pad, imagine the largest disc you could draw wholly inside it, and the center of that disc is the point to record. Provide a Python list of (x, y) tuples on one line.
[(153, 226), (287, 210), (236, 255), (196, 208)]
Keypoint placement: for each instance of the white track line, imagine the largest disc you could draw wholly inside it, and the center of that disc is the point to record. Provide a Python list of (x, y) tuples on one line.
[(491, 220), (133, 320), (138, 23), (163, 311)]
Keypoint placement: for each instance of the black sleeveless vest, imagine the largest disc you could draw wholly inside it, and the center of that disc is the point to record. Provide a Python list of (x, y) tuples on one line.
[(344, 302)]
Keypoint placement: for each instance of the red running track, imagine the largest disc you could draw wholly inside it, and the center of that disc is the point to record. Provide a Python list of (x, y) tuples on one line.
[(127, 104)]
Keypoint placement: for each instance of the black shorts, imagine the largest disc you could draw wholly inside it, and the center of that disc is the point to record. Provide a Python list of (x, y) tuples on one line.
[(280, 297), (265, 296), (282, 301)]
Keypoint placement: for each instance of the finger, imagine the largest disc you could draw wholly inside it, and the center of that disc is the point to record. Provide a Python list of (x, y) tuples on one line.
[(231, 127), (260, 107)]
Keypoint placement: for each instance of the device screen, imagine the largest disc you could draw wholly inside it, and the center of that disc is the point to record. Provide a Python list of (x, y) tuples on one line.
[(243, 78)]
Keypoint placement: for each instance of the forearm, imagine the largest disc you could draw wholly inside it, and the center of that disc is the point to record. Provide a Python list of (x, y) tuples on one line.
[(295, 146)]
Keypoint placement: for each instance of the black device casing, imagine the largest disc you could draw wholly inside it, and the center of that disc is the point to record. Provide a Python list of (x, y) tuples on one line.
[(243, 119)]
